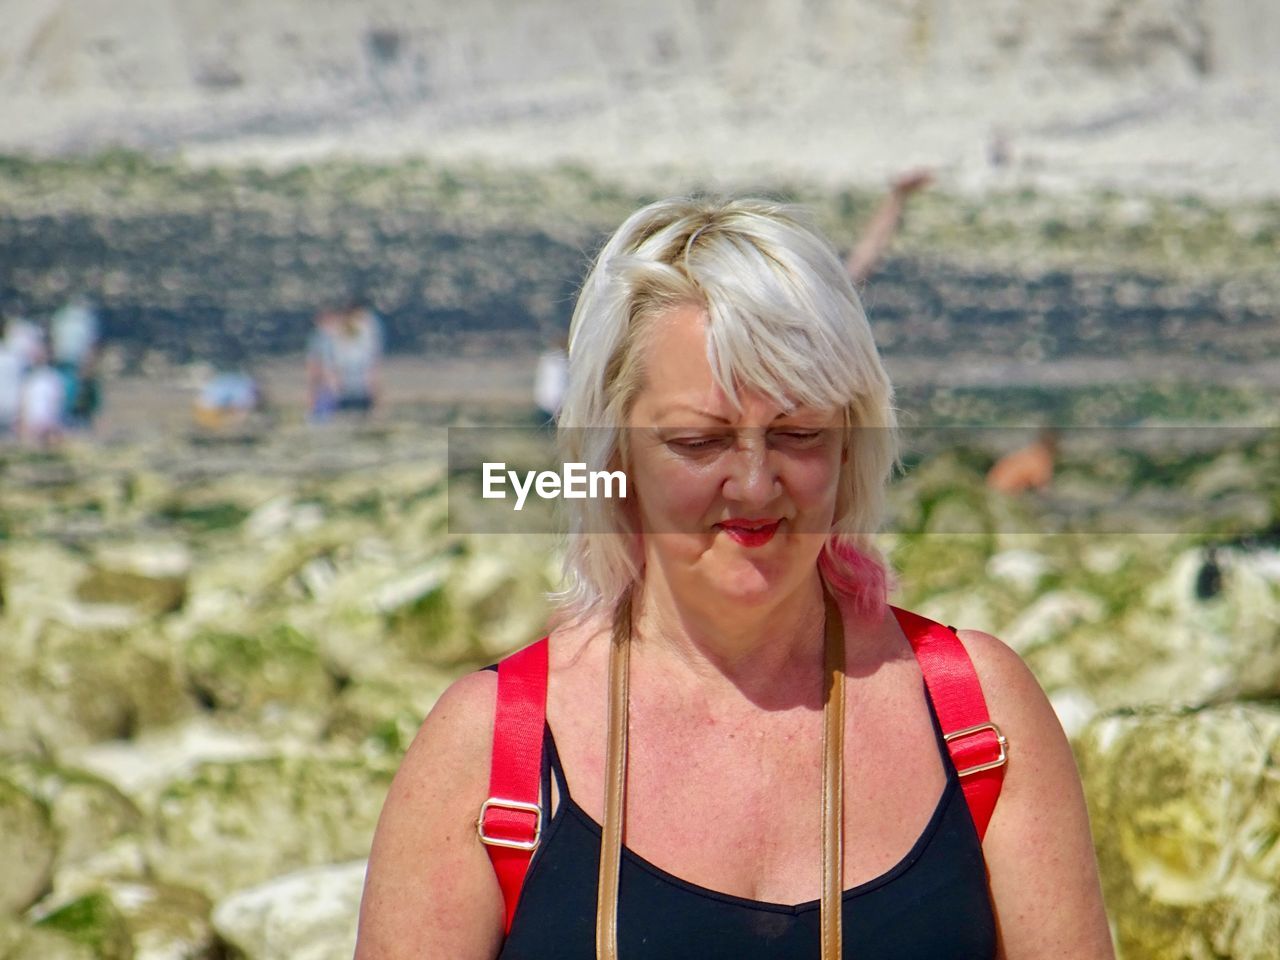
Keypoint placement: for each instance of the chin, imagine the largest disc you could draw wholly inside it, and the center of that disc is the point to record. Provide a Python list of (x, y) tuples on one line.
[(752, 585)]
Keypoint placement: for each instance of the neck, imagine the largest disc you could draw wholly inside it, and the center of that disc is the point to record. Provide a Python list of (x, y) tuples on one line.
[(768, 654)]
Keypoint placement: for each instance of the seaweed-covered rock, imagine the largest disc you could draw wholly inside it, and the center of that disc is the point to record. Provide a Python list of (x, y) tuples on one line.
[(21, 941), (1019, 568), (930, 564), (306, 915), (1051, 616), (1186, 815), (151, 576), (166, 921), (384, 713), (232, 825), (252, 672), (143, 766), (86, 812), (28, 846), (85, 685), (1172, 646), (159, 922), (93, 920)]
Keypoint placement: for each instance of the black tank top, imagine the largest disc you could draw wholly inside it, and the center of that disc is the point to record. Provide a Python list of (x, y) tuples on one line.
[(933, 905)]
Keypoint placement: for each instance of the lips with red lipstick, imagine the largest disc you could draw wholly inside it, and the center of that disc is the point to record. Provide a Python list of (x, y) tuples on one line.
[(750, 532)]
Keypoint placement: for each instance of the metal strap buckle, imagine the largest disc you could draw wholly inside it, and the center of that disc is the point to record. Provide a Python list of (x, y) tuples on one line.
[(999, 761), (520, 806)]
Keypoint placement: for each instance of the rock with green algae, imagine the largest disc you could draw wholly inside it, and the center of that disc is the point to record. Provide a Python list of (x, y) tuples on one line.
[(86, 812), (21, 941), (276, 668), (306, 915), (28, 846), (165, 921), (162, 922), (92, 920), (384, 713), (232, 825), (928, 564), (149, 575), (81, 686), (1052, 616), (1172, 646), (1185, 807)]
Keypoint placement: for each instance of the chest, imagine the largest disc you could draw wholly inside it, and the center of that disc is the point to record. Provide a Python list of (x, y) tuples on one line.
[(732, 803)]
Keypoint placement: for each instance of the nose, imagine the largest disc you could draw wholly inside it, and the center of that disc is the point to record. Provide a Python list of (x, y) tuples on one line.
[(752, 479)]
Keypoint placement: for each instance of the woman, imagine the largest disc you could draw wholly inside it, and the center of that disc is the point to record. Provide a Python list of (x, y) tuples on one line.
[(343, 365), (720, 356)]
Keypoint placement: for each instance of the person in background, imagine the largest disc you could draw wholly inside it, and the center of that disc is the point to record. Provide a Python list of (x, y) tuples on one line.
[(550, 379), (227, 401), (1027, 468), (12, 369), (75, 338), (345, 361), (22, 336), (864, 259), (42, 409), (322, 387)]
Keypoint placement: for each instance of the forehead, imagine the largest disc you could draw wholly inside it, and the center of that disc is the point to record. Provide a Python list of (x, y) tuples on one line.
[(675, 362), (678, 374)]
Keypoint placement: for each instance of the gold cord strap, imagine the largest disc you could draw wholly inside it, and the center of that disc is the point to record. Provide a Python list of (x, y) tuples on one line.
[(615, 786), (832, 785)]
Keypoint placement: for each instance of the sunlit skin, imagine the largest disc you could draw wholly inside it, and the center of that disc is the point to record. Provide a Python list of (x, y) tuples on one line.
[(734, 502)]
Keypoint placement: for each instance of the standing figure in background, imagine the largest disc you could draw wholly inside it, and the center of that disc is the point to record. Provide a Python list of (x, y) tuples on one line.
[(75, 337), (322, 387), (22, 336), (12, 369), (42, 409), (864, 259), (352, 355), (550, 379)]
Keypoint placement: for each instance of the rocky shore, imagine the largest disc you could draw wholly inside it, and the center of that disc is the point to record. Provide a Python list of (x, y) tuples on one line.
[(231, 264), (218, 647)]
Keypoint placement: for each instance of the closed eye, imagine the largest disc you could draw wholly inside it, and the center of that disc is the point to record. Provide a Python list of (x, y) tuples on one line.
[(698, 444), (797, 438)]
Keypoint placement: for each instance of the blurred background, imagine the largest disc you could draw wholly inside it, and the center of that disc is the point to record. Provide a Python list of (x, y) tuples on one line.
[(257, 258)]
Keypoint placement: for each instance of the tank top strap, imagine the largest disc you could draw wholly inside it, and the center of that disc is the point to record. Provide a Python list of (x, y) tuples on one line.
[(943, 749), (551, 768)]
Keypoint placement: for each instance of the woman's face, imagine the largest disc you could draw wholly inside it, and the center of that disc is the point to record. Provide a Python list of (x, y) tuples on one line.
[(735, 503)]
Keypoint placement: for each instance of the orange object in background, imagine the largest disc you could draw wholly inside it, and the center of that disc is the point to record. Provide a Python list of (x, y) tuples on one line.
[(1028, 468)]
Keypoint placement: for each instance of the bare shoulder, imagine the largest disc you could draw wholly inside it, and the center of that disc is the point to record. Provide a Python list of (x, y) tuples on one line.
[(1007, 682), (462, 718), (998, 663), (454, 741), (1038, 748), (430, 888), (1038, 848)]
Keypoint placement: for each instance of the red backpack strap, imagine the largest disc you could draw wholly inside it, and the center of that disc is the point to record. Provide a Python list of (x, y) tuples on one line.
[(978, 748), (510, 823)]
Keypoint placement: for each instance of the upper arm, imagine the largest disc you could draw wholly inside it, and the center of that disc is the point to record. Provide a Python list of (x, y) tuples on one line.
[(430, 890), (1038, 848)]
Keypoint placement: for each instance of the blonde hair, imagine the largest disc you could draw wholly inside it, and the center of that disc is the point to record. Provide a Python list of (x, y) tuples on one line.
[(782, 318)]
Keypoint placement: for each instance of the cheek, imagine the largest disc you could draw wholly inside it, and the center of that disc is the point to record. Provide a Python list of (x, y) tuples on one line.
[(675, 496), (813, 489)]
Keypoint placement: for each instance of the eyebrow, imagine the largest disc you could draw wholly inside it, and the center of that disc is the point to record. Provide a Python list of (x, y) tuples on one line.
[(683, 408)]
